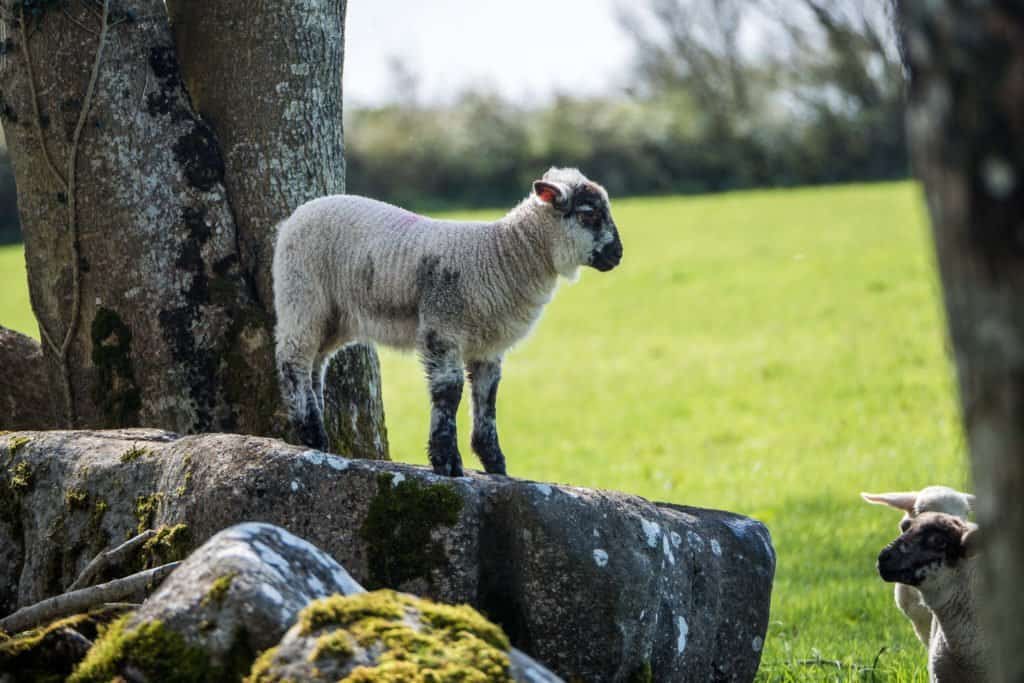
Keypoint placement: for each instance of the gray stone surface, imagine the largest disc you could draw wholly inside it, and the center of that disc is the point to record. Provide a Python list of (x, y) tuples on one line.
[(597, 585), (242, 589), (24, 397)]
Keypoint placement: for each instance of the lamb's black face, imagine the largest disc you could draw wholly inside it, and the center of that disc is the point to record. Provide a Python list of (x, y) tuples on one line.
[(928, 543), (590, 210)]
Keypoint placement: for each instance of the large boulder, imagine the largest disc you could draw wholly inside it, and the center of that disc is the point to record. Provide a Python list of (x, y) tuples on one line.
[(599, 586)]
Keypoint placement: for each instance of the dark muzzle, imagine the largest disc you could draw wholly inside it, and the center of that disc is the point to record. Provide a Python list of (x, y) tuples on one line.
[(607, 257), (892, 569)]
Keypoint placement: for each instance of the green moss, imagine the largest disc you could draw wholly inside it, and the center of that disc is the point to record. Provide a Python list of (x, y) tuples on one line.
[(453, 643), (339, 610), (187, 479), (462, 618), (337, 645), (218, 589), (76, 499), (260, 671), (171, 543), (15, 444), (42, 654), (115, 392), (21, 478), (134, 453), (153, 650), (642, 675), (99, 511), (145, 510), (398, 530)]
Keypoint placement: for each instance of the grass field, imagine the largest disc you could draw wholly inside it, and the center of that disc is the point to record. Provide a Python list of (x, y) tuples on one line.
[(771, 353)]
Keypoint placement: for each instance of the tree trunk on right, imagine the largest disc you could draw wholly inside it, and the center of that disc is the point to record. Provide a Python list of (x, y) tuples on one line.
[(966, 125)]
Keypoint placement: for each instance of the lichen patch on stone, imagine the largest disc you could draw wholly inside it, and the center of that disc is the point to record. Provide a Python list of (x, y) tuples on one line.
[(651, 531)]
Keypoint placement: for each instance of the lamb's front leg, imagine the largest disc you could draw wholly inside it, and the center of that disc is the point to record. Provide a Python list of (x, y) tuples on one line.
[(443, 364), (484, 377)]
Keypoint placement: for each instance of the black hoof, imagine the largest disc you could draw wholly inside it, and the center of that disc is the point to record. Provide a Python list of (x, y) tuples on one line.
[(449, 470), (490, 455), (447, 463)]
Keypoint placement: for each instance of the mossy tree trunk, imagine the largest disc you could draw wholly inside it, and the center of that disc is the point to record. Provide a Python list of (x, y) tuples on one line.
[(267, 77), (966, 124), (147, 230)]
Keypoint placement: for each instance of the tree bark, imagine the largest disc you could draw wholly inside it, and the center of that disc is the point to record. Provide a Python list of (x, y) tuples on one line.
[(966, 124), (24, 399), (268, 79), (148, 240)]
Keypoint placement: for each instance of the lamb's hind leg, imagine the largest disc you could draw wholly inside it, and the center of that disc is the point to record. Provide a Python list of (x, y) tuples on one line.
[(443, 364), (484, 377), (295, 368)]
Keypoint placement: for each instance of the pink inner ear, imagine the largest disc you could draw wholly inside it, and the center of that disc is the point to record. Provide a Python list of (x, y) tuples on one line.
[(546, 194)]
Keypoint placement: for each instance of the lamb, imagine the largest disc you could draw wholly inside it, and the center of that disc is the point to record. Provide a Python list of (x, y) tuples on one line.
[(937, 554), (913, 503), (349, 268)]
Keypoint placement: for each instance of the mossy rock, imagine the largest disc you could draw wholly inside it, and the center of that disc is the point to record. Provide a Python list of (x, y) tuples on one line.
[(50, 653), (387, 637), (399, 526)]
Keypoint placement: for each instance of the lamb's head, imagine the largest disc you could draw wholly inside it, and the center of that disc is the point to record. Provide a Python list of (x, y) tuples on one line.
[(580, 212), (932, 544), (928, 499)]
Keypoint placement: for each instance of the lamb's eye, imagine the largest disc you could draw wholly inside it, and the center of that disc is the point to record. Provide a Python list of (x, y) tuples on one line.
[(585, 208), (937, 541)]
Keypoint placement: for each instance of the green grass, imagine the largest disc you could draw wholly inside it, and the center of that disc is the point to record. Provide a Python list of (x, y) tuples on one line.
[(772, 353), (15, 310)]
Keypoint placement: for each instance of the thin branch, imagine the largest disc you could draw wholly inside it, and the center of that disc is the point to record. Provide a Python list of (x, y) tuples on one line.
[(110, 557), (82, 600), (77, 23)]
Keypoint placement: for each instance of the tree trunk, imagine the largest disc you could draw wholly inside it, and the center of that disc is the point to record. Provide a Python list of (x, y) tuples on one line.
[(267, 77), (24, 400), (149, 278), (966, 123)]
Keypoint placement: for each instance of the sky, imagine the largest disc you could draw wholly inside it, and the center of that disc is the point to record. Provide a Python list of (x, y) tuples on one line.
[(525, 49)]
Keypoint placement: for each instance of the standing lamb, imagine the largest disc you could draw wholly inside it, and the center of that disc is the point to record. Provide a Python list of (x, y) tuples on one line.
[(937, 554), (914, 503), (348, 269)]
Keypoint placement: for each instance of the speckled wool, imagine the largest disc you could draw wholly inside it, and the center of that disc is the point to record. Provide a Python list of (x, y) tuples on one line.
[(349, 268)]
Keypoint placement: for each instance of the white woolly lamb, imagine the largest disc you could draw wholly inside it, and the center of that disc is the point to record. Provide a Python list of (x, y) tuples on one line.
[(913, 503), (937, 554), (348, 268)]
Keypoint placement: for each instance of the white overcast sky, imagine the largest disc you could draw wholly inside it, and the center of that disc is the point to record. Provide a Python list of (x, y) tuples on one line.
[(525, 49)]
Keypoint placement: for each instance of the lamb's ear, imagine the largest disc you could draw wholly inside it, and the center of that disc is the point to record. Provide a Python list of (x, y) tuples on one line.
[(555, 194), (972, 540), (901, 501)]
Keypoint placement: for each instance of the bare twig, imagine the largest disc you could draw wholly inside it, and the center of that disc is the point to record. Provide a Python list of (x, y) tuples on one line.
[(110, 557), (76, 602), (76, 22)]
